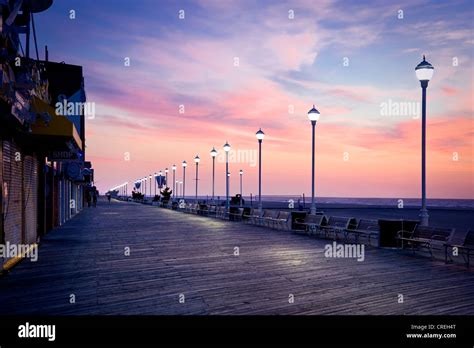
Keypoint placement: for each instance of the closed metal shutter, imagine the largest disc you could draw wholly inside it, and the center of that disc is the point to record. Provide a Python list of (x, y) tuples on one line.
[(1, 196), (12, 186), (30, 198)]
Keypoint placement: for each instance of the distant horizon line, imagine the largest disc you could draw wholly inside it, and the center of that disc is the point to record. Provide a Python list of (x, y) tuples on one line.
[(319, 197)]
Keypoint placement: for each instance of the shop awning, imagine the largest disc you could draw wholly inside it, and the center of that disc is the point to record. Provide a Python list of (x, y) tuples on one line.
[(53, 126)]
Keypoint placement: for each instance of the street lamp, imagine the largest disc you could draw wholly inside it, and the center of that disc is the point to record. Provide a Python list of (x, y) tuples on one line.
[(260, 135), (424, 73), (149, 177), (184, 179), (313, 116), (155, 183), (166, 177), (160, 173), (174, 179), (196, 160), (213, 155), (241, 172), (227, 149)]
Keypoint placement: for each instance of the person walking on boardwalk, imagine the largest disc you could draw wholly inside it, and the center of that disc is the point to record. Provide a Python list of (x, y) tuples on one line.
[(94, 198), (89, 198), (109, 196)]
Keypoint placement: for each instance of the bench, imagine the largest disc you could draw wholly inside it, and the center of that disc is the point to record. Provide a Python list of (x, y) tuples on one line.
[(202, 209), (268, 217), (211, 211), (253, 217), (424, 237), (236, 215), (312, 223), (221, 212), (336, 224), (463, 242), (282, 219), (191, 208), (366, 228)]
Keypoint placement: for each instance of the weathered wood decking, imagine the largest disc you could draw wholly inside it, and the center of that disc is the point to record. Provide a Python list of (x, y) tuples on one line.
[(173, 253)]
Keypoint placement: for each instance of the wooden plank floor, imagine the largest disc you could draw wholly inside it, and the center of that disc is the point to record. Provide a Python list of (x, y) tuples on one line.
[(172, 253)]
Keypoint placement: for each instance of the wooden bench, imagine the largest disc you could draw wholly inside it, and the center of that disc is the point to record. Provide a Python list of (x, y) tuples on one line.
[(192, 208), (282, 219), (221, 212), (312, 223), (424, 237), (211, 211), (366, 228), (238, 215), (338, 224), (253, 217), (202, 209), (463, 242), (268, 217)]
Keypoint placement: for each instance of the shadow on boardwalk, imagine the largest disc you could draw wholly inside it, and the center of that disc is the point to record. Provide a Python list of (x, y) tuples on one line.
[(173, 253)]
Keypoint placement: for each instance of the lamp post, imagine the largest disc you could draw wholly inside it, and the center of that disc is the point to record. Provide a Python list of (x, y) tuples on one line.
[(144, 187), (149, 177), (313, 116), (241, 172), (260, 135), (227, 149), (184, 179), (213, 155), (166, 177), (196, 160), (424, 73), (154, 184), (174, 180), (160, 173)]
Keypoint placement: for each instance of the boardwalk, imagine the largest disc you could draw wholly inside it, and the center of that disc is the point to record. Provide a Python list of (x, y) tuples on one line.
[(173, 253)]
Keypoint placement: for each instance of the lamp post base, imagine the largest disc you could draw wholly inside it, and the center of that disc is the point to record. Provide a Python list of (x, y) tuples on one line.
[(424, 217)]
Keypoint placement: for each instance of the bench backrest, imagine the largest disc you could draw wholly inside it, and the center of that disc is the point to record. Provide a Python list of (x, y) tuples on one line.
[(319, 220), (368, 225), (469, 238), (427, 232), (342, 222), (268, 213), (284, 215)]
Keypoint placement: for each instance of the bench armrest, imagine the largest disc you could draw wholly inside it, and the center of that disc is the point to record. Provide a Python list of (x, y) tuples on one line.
[(404, 234)]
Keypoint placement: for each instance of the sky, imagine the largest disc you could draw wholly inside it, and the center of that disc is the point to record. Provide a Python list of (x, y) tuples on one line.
[(229, 68)]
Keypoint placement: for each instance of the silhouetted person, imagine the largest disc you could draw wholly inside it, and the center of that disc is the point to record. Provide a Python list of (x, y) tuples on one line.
[(89, 198), (109, 197)]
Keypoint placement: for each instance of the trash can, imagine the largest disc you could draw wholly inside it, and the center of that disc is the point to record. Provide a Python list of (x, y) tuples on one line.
[(389, 229), (300, 215)]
